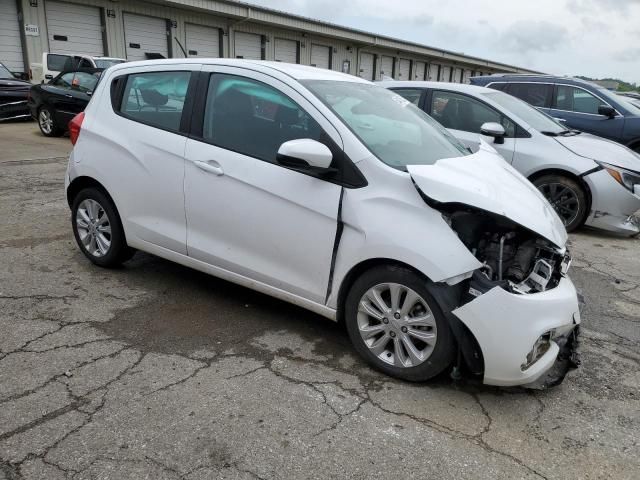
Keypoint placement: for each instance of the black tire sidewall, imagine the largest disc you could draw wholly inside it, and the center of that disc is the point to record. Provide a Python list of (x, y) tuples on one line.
[(580, 193), (118, 251), (444, 350)]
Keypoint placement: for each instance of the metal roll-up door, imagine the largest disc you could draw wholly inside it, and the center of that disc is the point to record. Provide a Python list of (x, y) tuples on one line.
[(457, 75), (366, 66), (10, 41), (419, 70), (404, 69), (445, 74), (433, 71), (321, 56), (145, 37), (202, 41), (286, 50), (466, 76), (247, 45), (74, 28), (386, 66)]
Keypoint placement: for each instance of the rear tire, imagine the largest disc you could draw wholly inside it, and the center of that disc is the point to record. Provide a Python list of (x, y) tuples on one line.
[(98, 230), (47, 123), (567, 197), (411, 340)]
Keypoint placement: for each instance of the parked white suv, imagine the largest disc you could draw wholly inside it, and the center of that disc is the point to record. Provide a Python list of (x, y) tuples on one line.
[(55, 63), (327, 191)]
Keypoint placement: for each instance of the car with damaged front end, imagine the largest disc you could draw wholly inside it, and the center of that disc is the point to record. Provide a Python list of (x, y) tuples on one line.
[(337, 195)]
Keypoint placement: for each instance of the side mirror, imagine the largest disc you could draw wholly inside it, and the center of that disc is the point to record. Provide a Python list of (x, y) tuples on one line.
[(305, 155), (495, 130), (607, 111)]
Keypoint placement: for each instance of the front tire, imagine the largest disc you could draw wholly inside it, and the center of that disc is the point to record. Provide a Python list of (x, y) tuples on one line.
[(97, 228), (397, 326), (47, 123), (567, 198)]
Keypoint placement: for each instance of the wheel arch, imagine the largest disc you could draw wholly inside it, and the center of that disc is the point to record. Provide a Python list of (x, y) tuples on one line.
[(634, 145), (565, 173)]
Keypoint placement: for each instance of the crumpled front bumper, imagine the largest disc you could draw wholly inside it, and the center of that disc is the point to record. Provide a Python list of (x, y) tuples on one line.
[(507, 326), (613, 207)]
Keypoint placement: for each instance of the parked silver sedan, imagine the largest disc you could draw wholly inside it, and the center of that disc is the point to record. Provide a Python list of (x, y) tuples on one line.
[(587, 179)]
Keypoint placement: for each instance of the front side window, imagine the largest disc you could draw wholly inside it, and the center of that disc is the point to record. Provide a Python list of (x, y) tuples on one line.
[(85, 82), (535, 94), (59, 63), (64, 81), (460, 112), (392, 128), (156, 98), (577, 100), (253, 118), (411, 94)]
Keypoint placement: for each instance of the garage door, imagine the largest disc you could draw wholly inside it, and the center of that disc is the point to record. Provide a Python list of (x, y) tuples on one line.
[(248, 45), (445, 74), (145, 37), (386, 66), (320, 56), (457, 75), (466, 76), (10, 42), (202, 41), (366, 66), (286, 51), (74, 28), (432, 72), (419, 70), (404, 69)]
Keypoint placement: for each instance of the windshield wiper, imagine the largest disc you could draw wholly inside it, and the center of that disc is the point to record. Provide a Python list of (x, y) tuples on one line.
[(549, 134)]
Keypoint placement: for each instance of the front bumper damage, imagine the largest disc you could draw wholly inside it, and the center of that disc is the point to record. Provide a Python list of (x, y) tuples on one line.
[(524, 337), (613, 208)]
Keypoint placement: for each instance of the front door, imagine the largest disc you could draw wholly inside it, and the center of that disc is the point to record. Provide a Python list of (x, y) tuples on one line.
[(245, 213), (463, 116)]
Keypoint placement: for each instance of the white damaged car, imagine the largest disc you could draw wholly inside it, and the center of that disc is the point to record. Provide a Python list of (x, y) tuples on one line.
[(334, 194), (588, 180)]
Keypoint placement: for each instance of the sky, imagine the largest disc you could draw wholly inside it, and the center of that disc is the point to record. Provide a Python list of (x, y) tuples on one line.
[(594, 38)]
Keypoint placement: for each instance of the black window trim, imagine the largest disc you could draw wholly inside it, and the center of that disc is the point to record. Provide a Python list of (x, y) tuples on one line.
[(117, 92), (520, 132), (346, 168)]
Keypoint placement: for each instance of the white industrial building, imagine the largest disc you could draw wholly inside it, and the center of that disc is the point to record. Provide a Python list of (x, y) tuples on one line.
[(137, 30)]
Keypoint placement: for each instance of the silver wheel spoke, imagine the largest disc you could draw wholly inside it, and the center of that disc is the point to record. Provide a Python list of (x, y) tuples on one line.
[(371, 331), (367, 308), (414, 353), (380, 345), (399, 357), (377, 300), (410, 300), (425, 320), (93, 227), (104, 219), (103, 243), (105, 229), (426, 337), (395, 291)]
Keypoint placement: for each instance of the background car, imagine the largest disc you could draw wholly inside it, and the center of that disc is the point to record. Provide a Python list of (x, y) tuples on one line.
[(583, 105), (13, 96), (55, 63), (55, 103), (586, 179)]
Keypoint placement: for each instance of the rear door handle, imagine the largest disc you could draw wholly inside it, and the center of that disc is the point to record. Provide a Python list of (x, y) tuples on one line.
[(68, 96), (211, 166)]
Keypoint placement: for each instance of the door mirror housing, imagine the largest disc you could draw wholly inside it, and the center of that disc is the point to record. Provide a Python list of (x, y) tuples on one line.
[(607, 111), (495, 130), (305, 155)]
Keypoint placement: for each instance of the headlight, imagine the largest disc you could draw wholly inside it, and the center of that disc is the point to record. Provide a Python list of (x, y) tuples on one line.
[(626, 178)]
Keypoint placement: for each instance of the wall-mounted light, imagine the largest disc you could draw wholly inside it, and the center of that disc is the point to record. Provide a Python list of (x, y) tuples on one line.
[(335, 50), (173, 23), (33, 3), (111, 13), (349, 48)]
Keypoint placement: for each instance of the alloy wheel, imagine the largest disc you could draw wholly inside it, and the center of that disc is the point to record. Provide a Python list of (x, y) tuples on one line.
[(46, 121), (563, 199), (93, 227), (397, 325)]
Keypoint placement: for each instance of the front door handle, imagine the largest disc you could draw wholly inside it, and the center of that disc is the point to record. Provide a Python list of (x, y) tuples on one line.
[(211, 166)]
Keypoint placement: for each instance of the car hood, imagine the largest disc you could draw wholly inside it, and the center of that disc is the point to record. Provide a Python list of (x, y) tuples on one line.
[(485, 181), (601, 150)]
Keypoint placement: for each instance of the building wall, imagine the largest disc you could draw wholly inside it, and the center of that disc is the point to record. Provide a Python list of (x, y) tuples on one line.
[(230, 17)]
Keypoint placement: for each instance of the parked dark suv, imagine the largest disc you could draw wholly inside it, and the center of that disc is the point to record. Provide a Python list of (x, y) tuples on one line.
[(582, 105)]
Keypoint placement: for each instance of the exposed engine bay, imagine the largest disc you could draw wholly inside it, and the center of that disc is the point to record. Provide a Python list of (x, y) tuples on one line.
[(513, 257)]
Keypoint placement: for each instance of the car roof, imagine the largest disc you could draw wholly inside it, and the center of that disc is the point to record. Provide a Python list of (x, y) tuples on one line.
[(298, 72), (454, 87), (508, 77)]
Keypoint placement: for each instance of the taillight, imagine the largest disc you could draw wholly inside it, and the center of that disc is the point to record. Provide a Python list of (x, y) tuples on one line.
[(75, 125)]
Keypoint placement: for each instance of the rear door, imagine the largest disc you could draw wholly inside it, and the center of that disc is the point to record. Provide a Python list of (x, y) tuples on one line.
[(463, 116), (246, 214), (538, 95), (58, 97)]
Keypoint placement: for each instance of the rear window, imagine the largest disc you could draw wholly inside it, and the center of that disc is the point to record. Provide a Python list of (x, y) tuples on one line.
[(155, 99), (536, 94)]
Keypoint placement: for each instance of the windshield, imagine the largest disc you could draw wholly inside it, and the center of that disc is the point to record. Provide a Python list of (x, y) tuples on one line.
[(4, 72), (106, 63), (393, 129), (534, 117)]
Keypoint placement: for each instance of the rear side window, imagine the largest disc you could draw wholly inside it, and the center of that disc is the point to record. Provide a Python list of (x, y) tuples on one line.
[(156, 98), (59, 63), (85, 82), (411, 94), (252, 118), (64, 81), (536, 94)]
